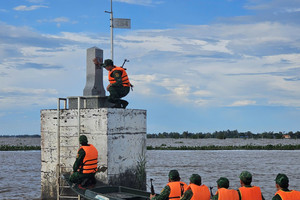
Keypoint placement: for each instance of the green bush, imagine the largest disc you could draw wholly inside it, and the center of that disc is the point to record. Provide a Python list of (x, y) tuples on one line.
[(18, 148)]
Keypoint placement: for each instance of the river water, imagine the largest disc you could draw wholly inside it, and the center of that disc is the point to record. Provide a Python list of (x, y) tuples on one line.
[(20, 170)]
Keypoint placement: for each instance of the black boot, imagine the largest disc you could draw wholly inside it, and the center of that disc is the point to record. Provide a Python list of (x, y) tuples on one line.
[(124, 103)]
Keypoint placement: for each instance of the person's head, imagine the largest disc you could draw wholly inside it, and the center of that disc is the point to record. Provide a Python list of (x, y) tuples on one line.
[(282, 181), (223, 182), (174, 175), (246, 178), (83, 140), (108, 64), (196, 179)]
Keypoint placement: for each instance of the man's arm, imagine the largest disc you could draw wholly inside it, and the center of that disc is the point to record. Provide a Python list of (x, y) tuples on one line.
[(187, 195), (164, 194), (215, 197), (276, 197), (239, 194), (79, 160)]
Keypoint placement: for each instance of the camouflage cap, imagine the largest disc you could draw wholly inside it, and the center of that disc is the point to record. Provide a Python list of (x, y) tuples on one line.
[(83, 139), (282, 180), (223, 182), (174, 174), (108, 62), (246, 177), (196, 179)]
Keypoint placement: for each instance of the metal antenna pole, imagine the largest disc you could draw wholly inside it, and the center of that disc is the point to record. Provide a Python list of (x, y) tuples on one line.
[(111, 31)]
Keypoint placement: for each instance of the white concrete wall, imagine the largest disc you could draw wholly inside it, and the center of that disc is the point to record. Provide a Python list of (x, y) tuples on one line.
[(118, 134)]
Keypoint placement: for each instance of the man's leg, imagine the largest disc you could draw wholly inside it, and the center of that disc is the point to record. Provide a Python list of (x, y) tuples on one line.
[(114, 96), (124, 91), (76, 178)]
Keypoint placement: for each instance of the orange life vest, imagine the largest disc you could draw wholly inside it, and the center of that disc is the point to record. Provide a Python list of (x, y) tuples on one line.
[(177, 189), (288, 195), (227, 194), (125, 79), (90, 159), (199, 192), (250, 193)]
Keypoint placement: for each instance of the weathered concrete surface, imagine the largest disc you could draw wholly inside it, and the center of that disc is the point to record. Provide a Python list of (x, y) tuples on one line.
[(91, 102), (118, 134), (94, 74)]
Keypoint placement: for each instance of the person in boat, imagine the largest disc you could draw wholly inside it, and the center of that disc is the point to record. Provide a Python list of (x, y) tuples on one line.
[(247, 191), (85, 165), (223, 193), (173, 190), (283, 193), (119, 85), (196, 190)]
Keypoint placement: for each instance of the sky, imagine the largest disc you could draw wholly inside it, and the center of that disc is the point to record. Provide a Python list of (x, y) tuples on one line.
[(196, 65)]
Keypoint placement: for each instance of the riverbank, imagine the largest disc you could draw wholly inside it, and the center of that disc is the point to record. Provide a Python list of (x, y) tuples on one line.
[(29, 143)]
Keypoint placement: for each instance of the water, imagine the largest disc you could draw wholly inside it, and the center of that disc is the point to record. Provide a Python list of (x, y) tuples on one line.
[(20, 170), (264, 165), (20, 175)]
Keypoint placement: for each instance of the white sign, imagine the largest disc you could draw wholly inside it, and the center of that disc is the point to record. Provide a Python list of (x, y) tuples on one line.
[(121, 23)]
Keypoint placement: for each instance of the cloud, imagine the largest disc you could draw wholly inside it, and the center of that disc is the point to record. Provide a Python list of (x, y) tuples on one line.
[(35, 1), (141, 2), (216, 65), (58, 21), (17, 97), (243, 103), (28, 8), (15, 91)]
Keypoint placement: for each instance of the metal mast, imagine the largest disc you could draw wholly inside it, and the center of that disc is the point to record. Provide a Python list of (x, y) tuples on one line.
[(116, 23), (111, 31)]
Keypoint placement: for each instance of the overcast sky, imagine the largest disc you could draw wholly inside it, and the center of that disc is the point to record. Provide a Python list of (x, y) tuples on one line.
[(197, 65)]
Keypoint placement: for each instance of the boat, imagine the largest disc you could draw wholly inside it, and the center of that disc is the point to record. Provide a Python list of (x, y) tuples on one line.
[(106, 192)]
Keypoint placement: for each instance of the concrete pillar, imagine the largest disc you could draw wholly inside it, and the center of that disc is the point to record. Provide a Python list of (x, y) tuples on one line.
[(118, 134), (94, 74)]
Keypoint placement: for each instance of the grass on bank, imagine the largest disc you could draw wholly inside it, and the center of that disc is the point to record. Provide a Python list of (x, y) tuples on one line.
[(18, 148), (213, 147)]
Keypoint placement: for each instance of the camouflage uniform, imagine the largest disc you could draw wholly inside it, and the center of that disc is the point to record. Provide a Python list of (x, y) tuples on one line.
[(164, 194), (222, 183), (246, 178), (283, 181), (78, 177), (195, 179), (116, 90)]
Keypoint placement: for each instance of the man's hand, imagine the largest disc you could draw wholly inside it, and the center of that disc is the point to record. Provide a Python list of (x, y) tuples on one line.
[(98, 61), (102, 169), (152, 195), (107, 88)]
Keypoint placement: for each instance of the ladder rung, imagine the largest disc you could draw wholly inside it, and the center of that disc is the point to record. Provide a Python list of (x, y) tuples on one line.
[(65, 186), (69, 146), (71, 126), (68, 135), (68, 197)]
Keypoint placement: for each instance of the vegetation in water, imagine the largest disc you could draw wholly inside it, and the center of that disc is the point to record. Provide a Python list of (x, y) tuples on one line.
[(213, 147), (18, 148)]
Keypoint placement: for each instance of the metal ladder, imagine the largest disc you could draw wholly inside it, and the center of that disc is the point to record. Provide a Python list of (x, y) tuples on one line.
[(62, 186)]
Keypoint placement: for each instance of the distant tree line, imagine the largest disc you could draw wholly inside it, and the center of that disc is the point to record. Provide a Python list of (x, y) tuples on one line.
[(226, 134), (22, 136)]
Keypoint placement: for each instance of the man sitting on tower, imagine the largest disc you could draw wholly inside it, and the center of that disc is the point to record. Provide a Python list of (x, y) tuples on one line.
[(119, 85)]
